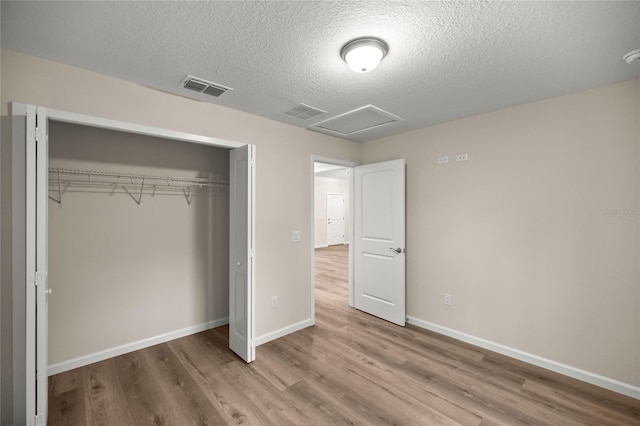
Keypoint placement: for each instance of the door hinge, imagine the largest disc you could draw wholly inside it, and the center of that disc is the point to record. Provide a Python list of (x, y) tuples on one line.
[(39, 134), (37, 278)]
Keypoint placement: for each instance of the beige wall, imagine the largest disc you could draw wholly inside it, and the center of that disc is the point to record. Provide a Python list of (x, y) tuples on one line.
[(283, 155), (283, 268), (123, 272), (519, 234), (324, 186), (526, 234)]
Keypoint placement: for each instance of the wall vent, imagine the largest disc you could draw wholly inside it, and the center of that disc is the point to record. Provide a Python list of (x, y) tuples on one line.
[(305, 112), (203, 86)]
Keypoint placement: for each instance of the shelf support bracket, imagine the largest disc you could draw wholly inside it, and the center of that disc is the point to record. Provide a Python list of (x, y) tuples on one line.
[(188, 195), (59, 199), (139, 199)]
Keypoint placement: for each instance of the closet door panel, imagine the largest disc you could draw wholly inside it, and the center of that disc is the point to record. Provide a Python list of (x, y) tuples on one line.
[(241, 252)]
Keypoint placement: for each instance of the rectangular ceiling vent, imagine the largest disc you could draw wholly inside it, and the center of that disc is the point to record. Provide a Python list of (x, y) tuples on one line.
[(351, 123), (305, 112), (203, 86)]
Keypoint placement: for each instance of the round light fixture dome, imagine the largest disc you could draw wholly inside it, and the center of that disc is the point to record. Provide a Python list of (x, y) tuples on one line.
[(364, 54), (633, 56)]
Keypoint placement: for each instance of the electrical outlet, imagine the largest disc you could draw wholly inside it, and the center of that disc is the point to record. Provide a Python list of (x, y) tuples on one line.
[(274, 302), (462, 157), (446, 299), (443, 160), (295, 236)]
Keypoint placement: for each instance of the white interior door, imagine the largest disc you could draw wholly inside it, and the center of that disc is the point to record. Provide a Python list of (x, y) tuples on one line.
[(241, 252), (335, 219), (379, 246)]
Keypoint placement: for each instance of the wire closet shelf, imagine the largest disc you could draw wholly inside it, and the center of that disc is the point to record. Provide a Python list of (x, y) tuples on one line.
[(135, 185)]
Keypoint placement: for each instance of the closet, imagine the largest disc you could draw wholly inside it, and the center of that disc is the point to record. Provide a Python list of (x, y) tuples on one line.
[(150, 235), (138, 239)]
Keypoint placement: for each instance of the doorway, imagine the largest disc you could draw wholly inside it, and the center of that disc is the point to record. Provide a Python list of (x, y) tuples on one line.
[(331, 251), (377, 261)]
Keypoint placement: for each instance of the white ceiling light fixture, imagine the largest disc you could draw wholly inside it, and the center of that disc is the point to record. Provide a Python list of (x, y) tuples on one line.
[(364, 54), (633, 56)]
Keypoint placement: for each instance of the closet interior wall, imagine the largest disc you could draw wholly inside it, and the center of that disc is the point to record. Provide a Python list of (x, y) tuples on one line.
[(123, 272)]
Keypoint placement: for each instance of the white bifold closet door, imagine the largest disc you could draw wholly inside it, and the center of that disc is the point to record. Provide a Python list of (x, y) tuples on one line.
[(30, 162), (241, 252)]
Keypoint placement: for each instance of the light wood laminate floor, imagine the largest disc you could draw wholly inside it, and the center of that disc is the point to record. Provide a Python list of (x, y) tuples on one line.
[(350, 368)]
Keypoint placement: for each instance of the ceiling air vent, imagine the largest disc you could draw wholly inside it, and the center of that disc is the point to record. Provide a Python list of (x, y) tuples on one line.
[(203, 86), (305, 112)]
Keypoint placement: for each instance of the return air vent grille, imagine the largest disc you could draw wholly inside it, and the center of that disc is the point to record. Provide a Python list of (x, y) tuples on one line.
[(305, 112), (203, 86)]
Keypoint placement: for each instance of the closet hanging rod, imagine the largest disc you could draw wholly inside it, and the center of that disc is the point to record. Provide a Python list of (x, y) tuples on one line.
[(135, 185), (95, 176)]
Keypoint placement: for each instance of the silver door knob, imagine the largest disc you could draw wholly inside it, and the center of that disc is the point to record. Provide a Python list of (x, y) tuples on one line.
[(48, 291), (397, 250)]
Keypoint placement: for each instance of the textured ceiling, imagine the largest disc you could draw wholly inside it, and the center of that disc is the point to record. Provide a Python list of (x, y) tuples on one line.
[(447, 60)]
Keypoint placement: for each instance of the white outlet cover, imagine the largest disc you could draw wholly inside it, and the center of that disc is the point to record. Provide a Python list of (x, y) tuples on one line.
[(462, 157), (443, 160), (295, 236), (447, 300)]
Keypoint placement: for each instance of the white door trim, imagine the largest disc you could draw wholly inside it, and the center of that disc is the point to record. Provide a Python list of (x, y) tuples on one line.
[(138, 129), (344, 163)]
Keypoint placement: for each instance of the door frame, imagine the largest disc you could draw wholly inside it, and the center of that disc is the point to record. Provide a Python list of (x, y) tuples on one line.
[(343, 214), (350, 165), (24, 330)]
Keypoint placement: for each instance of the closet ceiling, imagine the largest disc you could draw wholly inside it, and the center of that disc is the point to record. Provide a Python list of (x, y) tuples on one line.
[(446, 60)]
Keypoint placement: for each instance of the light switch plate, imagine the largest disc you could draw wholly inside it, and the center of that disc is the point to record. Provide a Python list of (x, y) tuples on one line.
[(295, 236)]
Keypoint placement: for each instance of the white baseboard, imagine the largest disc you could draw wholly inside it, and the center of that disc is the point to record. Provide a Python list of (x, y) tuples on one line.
[(282, 332), (567, 370), (321, 246), (134, 346)]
